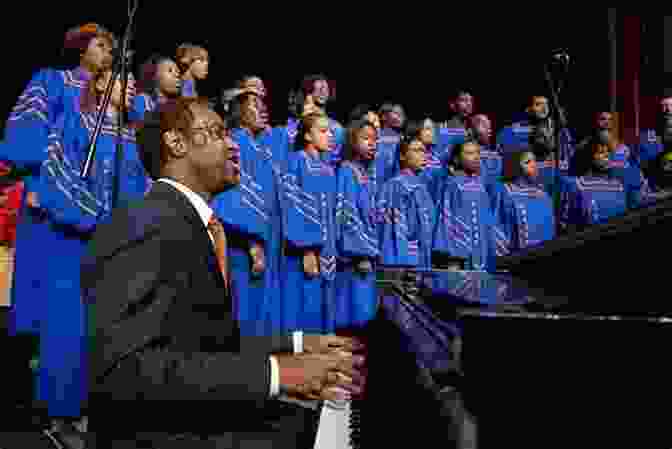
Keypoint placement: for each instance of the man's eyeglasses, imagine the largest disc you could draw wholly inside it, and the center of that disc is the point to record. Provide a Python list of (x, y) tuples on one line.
[(216, 131)]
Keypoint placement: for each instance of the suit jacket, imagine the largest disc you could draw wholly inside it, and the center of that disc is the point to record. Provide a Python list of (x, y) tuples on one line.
[(165, 351)]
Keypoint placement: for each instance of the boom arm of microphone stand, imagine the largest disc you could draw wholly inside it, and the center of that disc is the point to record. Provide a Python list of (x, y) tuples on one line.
[(91, 154)]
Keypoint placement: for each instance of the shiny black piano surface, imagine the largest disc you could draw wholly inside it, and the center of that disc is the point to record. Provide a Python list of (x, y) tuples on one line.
[(568, 345)]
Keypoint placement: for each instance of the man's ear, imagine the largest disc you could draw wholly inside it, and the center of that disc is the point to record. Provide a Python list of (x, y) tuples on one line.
[(175, 142)]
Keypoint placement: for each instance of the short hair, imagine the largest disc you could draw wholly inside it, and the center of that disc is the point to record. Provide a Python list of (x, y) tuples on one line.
[(309, 81), (79, 37), (454, 94), (186, 54), (351, 134), (360, 112), (148, 72), (175, 115), (306, 125), (458, 150), (511, 169)]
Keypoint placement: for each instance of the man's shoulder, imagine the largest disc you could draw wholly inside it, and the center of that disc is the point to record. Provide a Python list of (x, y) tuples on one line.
[(135, 222)]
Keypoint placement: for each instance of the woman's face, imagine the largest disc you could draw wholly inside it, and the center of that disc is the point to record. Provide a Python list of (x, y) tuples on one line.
[(528, 164), (415, 156), (364, 146)]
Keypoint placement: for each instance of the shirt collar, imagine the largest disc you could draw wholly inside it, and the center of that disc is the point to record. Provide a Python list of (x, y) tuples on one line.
[(201, 206)]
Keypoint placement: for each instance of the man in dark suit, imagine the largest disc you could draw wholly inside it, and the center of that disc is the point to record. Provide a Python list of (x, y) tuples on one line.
[(168, 368)]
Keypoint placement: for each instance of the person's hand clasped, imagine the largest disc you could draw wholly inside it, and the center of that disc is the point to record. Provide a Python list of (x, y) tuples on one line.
[(258, 259), (311, 265), (334, 376)]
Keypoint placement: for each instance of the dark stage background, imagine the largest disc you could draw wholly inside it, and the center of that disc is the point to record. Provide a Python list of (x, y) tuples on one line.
[(412, 57)]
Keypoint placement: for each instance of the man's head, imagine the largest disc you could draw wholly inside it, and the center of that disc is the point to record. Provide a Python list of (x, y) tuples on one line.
[(160, 75), (481, 128), (365, 112), (392, 115), (537, 107), (193, 61), (250, 110), (467, 157), (187, 141), (665, 115), (94, 45), (318, 87), (461, 103)]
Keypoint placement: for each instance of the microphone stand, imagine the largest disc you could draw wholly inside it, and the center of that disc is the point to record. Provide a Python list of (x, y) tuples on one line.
[(560, 120), (120, 69)]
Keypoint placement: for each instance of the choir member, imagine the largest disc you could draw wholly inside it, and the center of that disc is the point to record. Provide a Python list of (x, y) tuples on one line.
[(622, 162), (309, 229), (50, 95), (356, 237), (406, 211), (253, 83), (384, 162), (248, 213), (72, 208), (465, 226), (393, 120), (661, 177), (461, 104), (523, 210), (160, 80), (323, 94), (193, 62), (652, 141), (538, 132), (454, 131), (480, 128), (293, 117), (595, 194)]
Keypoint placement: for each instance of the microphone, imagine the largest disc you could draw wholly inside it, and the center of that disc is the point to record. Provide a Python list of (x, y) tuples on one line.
[(560, 55)]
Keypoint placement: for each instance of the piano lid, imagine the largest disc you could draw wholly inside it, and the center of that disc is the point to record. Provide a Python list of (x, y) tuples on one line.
[(616, 268), (470, 289)]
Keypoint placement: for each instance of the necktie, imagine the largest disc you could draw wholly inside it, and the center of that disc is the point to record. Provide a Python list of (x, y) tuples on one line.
[(217, 230)]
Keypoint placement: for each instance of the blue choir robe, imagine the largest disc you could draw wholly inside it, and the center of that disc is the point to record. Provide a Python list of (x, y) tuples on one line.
[(405, 222), (356, 239), (292, 130), (625, 166), (49, 95), (524, 212), (309, 223), (465, 226), (517, 136), (650, 146), (589, 200), (335, 154), (446, 139), (73, 207), (188, 88), (141, 104), (491, 163), (244, 213), (386, 160)]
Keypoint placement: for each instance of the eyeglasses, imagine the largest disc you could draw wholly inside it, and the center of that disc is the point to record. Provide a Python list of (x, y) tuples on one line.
[(216, 131)]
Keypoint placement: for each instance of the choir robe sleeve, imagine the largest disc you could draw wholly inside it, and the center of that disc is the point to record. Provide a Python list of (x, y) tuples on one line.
[(505, 219), (142, 103), (394, 212), (302, 226), (69, 199), (572, 213), (355, 233), (31, 119)]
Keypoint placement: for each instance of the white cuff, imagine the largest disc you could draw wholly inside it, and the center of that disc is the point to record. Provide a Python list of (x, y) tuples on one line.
[(297, 337), (275, 377)]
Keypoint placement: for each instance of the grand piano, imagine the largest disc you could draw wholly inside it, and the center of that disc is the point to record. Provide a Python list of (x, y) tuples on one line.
[(566, 345)]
